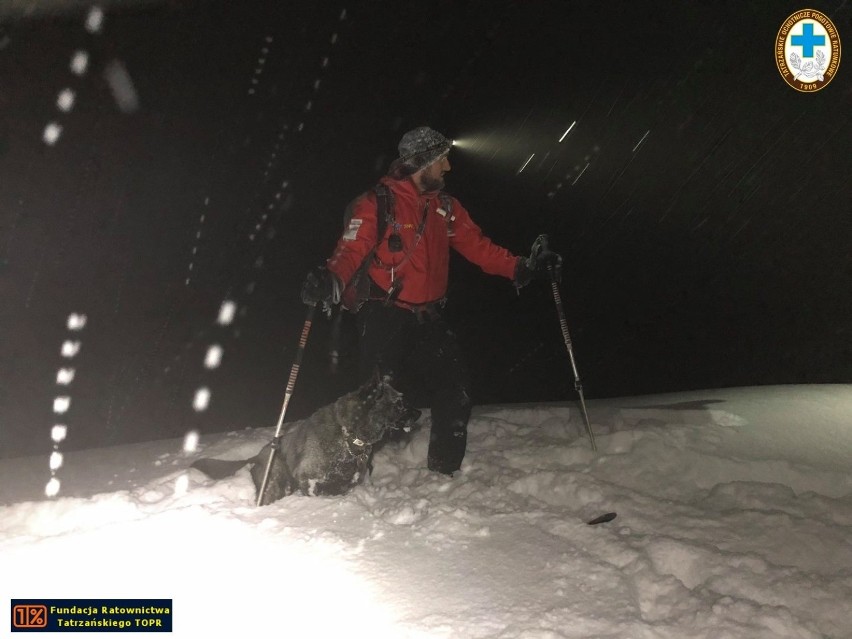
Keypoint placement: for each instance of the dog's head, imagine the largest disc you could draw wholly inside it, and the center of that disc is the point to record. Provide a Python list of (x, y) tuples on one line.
[(379, 408)]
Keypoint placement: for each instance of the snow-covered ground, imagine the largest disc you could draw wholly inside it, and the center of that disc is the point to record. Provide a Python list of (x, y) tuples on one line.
[(734, 520)]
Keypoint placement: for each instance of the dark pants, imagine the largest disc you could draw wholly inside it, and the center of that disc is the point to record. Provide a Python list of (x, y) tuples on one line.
[(421, 354)]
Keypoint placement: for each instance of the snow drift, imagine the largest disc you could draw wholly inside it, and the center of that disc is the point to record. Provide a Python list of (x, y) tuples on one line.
[(734, 520)]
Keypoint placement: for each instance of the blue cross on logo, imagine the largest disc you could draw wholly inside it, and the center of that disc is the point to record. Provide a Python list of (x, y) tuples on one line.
[(807, 40)]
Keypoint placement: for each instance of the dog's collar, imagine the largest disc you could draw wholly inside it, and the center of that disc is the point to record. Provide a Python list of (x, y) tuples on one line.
[(355, 442), (347, 436), (350, 442)]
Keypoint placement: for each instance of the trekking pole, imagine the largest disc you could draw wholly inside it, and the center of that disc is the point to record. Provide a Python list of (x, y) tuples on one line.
[(291, 382), (578, 386)]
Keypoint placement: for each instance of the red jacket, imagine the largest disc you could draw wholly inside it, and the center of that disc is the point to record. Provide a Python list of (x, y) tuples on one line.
[(422, 264)]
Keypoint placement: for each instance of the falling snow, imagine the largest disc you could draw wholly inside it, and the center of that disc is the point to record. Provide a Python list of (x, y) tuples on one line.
[(704, 247), (122, 88), (51, 134), (227, 312), (201, 400), (80, 62), (214, 356), (95, 20), (65, 101)]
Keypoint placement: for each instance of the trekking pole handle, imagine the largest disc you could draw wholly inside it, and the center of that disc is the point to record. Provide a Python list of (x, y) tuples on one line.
[(538, 247), (300, 352)]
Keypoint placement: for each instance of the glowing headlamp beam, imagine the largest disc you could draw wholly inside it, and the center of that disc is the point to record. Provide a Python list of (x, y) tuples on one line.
[(568, 130)]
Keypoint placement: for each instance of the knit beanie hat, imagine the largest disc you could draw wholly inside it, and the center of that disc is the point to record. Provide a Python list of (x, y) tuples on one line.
[(421, 147)]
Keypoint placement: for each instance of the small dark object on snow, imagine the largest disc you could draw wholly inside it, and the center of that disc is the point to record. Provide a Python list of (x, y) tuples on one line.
[(602, 519), (328, 453)]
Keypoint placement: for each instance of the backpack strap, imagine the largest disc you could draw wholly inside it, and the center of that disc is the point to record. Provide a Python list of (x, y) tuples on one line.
[(384, 211), (358, 289), (446, 204)]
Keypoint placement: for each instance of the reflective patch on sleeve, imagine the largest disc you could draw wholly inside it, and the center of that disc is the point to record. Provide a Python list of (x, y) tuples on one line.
[(352, 232)]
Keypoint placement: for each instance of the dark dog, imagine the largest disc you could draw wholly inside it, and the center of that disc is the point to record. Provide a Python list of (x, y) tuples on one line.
[(329, 452)]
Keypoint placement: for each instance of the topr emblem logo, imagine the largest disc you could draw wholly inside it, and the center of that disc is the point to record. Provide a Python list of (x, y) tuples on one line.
[(807, 50)]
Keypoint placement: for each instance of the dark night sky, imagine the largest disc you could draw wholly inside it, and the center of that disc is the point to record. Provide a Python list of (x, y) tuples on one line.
[(703, 207)]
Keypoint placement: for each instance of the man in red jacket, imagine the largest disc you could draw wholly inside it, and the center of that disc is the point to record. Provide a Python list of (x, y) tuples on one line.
[(401, 331)]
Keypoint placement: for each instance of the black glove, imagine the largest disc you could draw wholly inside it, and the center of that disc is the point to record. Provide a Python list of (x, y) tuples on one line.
[(548, 265), (541, 264), (523, 273), (320, 287)]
